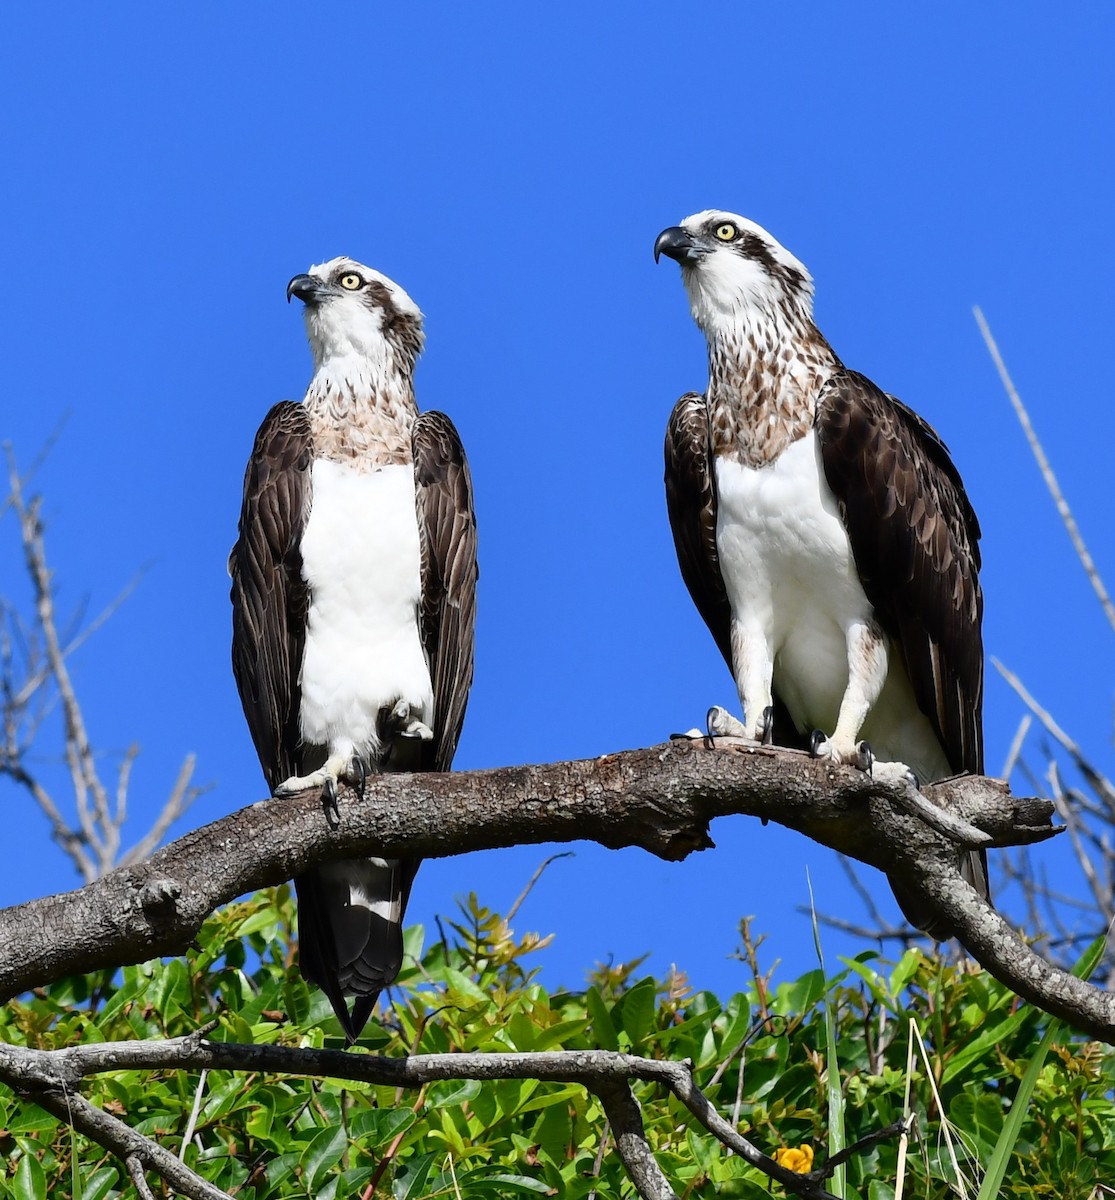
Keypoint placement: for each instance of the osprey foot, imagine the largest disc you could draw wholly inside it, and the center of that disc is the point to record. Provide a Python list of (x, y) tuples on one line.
[(856, 754), (405, 725), (324, 778), (721, 723), (766, 726)]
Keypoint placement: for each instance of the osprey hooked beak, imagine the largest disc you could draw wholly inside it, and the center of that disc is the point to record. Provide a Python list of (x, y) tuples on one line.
[(680, 245), (307, 288)]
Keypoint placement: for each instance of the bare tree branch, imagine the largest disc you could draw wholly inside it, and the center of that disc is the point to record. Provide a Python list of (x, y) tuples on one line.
[(109, 1131), (92, 839), (1015, 751), (626, 1123), (1088, 816), (1047, 471), (660, 799), (607, 1074), (135, 1170), (182, 795)]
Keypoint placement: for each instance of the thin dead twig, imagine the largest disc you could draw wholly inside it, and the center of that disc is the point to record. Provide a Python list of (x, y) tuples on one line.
[(92, 840), (1099, 782), (1047, 473), (533, 880), (1015, 751)]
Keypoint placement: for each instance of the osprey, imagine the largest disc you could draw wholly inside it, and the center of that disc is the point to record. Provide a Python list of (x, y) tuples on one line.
[(823, 532), (353, 601)]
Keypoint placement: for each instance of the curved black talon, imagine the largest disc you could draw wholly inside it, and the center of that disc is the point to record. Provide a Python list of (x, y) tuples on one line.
[(816, 741), (359, 774), (867, 756), (766, 726), (329, 803)]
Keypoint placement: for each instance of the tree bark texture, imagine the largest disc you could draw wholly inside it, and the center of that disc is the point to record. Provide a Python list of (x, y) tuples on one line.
[(661, 799)]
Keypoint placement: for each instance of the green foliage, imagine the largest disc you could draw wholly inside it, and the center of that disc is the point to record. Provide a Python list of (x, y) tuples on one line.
[(761, 1055)]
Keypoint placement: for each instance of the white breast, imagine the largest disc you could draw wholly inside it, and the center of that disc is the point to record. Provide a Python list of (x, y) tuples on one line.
[(788, 568), (361, 559), (787, 564)]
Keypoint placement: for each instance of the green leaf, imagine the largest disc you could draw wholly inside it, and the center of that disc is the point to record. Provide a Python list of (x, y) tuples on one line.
[(32, 1119), (371, 1127), (545, 1095), (1012, 1127), (297, 1001), (875, 982), (452, 1092), (281, 1168), (602, 1025), (461, 984), (801, 995), (98, 1184), (264, 918), (556, 1035), (410, 1178), (521, 1182), (553, 1131), (904, 972), (976, 1047), (29, 1182), (414, 938), (322, 1155), (634, 1012)]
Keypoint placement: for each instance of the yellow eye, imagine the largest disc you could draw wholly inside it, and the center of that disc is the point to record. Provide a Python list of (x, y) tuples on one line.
[(727, 232), (351, 282)]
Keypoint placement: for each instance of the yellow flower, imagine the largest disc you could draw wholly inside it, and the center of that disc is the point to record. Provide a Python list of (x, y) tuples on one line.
[(800, 1159)]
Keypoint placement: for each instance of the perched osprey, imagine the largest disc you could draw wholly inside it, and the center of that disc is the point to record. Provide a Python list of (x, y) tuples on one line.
[(822, 530), (353, 600)]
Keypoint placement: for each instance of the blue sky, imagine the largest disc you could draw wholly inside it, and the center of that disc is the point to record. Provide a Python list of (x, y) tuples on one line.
[(168, 170)]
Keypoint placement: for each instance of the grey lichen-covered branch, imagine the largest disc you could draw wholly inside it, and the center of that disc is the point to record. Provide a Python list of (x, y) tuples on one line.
[(661, 799), (50, 1075)]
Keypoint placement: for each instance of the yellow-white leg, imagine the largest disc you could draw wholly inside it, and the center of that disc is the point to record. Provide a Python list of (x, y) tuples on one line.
[(867, 672), (753, 663), (336, 766)]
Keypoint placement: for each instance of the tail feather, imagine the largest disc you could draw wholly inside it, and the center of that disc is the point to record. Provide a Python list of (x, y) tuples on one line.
[(350, 931)]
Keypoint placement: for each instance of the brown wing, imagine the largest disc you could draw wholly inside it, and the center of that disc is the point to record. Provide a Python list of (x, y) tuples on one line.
[(447, 532), (691, 503), (915, 541), (269, 596)]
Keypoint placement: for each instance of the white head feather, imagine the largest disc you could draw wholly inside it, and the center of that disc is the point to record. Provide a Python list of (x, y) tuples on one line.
[(358, 323), (752, 271)]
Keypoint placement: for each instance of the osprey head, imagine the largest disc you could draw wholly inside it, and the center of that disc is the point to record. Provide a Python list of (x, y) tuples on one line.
[(352, 310), (729, 264)]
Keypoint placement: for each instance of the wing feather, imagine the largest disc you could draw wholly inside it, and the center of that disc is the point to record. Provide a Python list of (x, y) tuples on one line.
[(915, 540), (447, 535), (269, 597), (691, 503)]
